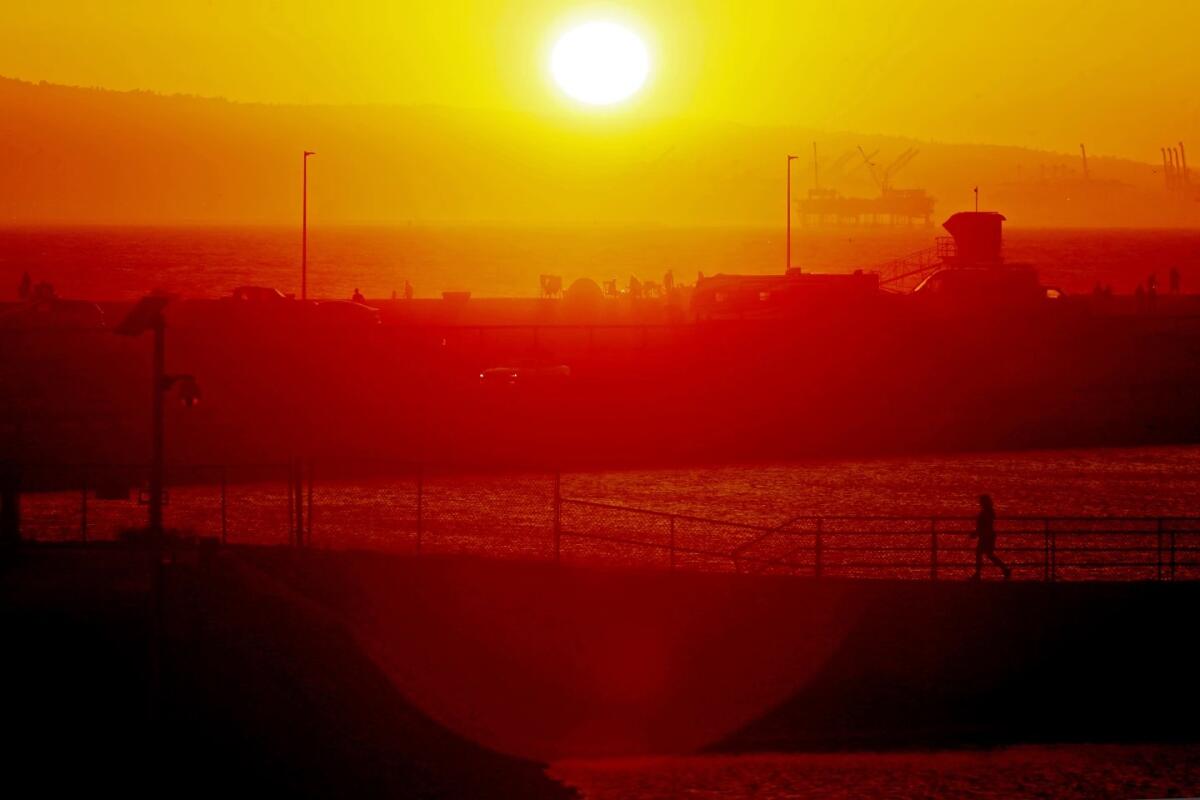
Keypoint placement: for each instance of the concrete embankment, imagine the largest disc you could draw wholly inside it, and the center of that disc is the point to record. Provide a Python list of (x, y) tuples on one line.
[(260, 692), (550, 661), (360, 674)]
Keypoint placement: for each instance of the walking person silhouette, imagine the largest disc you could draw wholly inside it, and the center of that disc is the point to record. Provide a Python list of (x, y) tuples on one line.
[(985, 533)]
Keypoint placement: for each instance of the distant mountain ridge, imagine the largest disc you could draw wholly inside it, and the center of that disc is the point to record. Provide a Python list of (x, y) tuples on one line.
[(94, 156)]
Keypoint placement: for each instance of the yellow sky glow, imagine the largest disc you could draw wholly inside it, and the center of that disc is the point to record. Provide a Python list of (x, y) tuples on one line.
[(1120, 75)]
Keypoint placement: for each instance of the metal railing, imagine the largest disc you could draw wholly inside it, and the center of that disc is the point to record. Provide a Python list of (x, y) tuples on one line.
[(910, 268), (423, 510), (1045, 548)]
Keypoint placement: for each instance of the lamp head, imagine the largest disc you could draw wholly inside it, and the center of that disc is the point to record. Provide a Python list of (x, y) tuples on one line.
[(145, 316), (189, 391)]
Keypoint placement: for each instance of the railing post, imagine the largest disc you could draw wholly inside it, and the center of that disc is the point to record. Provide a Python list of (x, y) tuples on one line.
[(1172, 554), (557, 516), (1158, 573), (309, 506), (420, 506), (298, 477), (1053, 554), (292, 507), (224, 507), (818, 544), (1046, 550), (83, 509), (933, 549), (672, 541)]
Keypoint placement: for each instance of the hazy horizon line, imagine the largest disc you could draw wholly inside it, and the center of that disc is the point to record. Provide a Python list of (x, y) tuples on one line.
[(811, 128), (797, 230)]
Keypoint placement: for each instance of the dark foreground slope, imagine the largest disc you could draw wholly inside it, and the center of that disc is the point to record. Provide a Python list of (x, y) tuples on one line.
[(261, 692), (359, 674), (555, 661), (962, 665)]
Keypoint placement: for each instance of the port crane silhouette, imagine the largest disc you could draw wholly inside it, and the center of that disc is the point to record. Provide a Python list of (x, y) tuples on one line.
[(884, 179), (824, 202)]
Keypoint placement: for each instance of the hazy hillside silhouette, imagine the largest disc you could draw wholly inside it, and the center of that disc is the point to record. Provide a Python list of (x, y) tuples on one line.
[(76, 155)]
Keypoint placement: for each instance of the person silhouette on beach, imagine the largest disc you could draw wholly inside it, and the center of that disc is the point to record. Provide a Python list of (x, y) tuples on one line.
[(985, 533), (358, 297)]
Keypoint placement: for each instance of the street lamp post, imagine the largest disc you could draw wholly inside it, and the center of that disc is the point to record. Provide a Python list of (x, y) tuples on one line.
[(158, 467), (147, 317), (304, 229), (788, 258)]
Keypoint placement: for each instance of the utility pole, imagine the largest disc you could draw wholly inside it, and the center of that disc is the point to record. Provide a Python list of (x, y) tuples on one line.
[(158, 326), (304, 229), (788, 259)]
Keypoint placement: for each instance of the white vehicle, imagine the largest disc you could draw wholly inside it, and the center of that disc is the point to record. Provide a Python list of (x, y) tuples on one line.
[(345, 313), (526, 371)]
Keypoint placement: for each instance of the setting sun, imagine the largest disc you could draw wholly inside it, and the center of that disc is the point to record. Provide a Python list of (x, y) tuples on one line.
[(600, 399), (600, 63)]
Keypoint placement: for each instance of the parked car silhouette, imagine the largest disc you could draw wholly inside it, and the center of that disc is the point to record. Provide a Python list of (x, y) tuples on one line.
[(260, 294), (54, 312), (344, 313), (995, 286), (255, 305), (525, 372)]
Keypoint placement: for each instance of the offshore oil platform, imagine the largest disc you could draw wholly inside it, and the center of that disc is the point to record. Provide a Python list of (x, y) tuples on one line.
[(827, 206)]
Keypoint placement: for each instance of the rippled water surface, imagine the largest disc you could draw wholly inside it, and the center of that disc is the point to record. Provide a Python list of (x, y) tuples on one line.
[(121, 263), (1066, 773)]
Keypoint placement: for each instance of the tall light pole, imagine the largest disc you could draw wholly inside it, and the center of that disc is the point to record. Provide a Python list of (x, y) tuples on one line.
[(304, 230), (147, 317), (788, 259)]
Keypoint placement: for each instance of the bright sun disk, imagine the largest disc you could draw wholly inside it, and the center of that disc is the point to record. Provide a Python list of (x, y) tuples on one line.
[(599, 63)]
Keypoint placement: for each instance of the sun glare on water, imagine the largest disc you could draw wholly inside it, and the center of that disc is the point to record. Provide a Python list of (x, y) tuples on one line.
[(600, 63)]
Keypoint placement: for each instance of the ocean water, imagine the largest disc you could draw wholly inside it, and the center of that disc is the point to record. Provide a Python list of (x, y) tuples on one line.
[(1075, 772), (510, 515), (123, 263), (1117, 481)]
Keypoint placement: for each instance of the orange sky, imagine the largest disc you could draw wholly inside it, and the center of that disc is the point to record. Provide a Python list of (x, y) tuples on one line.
[(1119, 75)]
